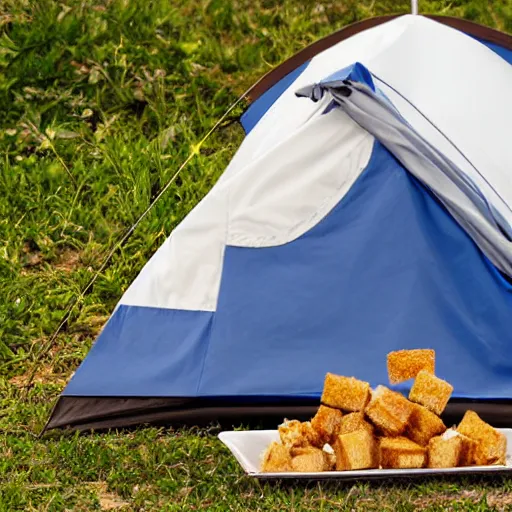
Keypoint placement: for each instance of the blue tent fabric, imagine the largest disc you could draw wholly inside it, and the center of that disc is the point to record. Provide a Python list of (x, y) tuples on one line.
[(388, 268), (145, 351), (257, 109)]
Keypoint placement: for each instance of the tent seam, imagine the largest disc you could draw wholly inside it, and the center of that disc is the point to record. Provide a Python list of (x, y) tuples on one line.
[(214, 316)]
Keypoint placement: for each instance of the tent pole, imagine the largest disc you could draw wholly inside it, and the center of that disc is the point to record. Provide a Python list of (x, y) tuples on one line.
[(414, 6)]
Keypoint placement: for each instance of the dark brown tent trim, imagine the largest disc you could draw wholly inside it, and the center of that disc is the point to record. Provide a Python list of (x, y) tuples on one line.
[(102, 413), (468, 27), (276, 74), (99, 413)]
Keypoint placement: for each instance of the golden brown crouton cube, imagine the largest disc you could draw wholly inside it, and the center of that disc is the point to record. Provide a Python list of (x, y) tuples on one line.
[(330, 457), (276, 459), (327, 423), (401, 453), (405, 364), (291, 433), (312, 437), (423, 425), (500, 452), (444, 451), (468, 449), (389, 411), (309, 460), (430, 391), (491, 445), (357, 450), (354, 421), (296, 434), (347, 393)]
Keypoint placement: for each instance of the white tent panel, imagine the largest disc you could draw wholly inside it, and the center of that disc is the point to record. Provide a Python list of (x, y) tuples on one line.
[(271, 202)]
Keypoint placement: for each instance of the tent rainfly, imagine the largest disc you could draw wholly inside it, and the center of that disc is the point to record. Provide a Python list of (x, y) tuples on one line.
[(367, 210)]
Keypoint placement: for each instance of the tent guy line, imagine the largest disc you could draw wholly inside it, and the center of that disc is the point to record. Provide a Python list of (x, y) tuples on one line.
[(67, 314)]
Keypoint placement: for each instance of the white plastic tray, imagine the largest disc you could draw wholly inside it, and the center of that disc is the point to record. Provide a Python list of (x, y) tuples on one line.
[(248, 445)]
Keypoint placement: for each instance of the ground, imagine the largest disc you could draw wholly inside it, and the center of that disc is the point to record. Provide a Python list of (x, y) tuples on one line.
[(101, 101)]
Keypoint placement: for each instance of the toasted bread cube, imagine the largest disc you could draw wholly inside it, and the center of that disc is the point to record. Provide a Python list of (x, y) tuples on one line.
[(406, 364), (291, 433), (354, 421), (401, 453), (445, 451), (389, 411), (309, 460), (311, 435), (430, 391), (500, 453), (423, 425), (347, 393), (384, 420), (467, 455), (326, 423), (295, 434), (276, 459), (356, 450), (491, 445), (330, 457)]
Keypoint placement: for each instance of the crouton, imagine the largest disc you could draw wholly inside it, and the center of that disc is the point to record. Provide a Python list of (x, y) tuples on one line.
[(467, 454), (491, 445), (347, 393), (451, 449), (292, 435), (389, 411), (423, 425), (326, 423), (405, 364), (295, 434), (356, 450), (309, 460), (311, 435), (354, 421), (430, 391), (330, 457), (276, 459), (445, 451), (401, 453), (500, 452)]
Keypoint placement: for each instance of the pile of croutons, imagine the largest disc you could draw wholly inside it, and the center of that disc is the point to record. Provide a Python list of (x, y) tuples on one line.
[(360, 428)]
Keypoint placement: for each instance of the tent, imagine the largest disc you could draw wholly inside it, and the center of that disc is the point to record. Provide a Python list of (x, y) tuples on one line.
[(367, 210)]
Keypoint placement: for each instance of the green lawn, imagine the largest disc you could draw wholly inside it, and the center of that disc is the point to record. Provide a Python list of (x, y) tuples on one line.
[(101, 101)]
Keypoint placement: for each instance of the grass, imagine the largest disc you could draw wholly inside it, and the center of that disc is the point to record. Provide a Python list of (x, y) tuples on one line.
[(101, 101)]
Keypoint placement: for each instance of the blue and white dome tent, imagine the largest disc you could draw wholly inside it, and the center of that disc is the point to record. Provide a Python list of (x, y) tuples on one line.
[(368, 209)]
